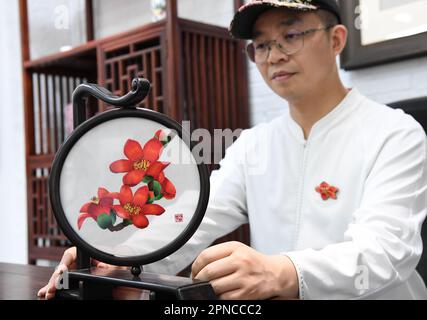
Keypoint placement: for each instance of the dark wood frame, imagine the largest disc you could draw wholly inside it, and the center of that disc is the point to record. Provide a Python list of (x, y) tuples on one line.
[(356, 56), (66, 226)]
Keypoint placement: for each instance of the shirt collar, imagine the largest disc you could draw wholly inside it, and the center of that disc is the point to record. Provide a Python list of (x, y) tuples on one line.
[(342, 110)]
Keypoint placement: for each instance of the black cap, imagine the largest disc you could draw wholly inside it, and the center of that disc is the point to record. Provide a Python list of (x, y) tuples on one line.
[(244, 19)]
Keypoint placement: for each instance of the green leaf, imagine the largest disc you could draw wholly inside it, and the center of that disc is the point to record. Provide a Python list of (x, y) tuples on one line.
[(113, 216), (147, 179), (159, 197), (104, 221), (166, 140), (127, 222), (157, 188)]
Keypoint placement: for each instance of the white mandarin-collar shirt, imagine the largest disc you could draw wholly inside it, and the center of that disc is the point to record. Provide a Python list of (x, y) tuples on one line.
[(365, 243)]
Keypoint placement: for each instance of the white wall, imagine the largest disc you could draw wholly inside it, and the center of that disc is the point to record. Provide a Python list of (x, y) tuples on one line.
[(111, 18), (115, 16), (55, 25), (13, 198), (384, 83), (217, 12), (391, 82)]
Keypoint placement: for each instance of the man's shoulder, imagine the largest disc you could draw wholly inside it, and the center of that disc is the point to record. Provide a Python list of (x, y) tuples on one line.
[(260, 134), (260, 130), (383, 117)]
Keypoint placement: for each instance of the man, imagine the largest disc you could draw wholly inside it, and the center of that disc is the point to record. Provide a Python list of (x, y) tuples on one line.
[(337, 194)]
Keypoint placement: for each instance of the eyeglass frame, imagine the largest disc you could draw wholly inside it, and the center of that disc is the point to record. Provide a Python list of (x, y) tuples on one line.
[(280, 47)]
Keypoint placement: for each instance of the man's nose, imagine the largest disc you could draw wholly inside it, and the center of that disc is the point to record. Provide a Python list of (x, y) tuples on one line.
[(275, 54)]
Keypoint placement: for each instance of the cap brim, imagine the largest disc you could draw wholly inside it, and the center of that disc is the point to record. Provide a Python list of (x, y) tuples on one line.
[(244, 19)]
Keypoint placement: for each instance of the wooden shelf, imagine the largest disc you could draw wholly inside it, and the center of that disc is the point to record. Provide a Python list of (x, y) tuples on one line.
[(197, 72), (66, 58)]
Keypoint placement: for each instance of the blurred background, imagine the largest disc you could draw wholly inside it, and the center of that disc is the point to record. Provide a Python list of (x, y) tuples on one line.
[(48, 47)]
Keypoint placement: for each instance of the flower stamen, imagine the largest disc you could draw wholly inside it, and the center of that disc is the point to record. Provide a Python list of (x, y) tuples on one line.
[(95, 200), (141, 165), (132, 209)]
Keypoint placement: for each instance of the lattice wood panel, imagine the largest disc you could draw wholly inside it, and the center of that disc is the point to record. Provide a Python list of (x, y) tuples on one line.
[(52, 100), (51, 112), (136, 59), (210, 81), (211, 89), (46, 238)]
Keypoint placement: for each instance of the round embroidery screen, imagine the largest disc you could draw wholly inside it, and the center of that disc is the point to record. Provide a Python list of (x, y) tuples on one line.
[(129, 187)]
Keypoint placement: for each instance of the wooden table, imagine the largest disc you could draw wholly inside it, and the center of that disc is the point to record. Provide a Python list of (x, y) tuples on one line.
[(22, 282)]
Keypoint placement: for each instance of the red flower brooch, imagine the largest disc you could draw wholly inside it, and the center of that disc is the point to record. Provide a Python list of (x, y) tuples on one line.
[(327, 191)]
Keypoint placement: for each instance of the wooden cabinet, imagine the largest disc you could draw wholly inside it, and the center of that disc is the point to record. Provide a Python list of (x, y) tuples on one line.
[(197, 71)]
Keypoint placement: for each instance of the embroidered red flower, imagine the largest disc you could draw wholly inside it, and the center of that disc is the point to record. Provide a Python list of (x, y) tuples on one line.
[(135, 208), (163, 136), (99, 205), (326, 191), (168, 189), (141, 161)]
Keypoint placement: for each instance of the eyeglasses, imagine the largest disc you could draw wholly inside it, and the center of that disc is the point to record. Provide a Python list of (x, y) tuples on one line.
[(288, 43)]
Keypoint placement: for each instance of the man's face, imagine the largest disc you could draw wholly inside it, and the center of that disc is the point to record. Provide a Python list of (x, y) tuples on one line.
[(292, 76)]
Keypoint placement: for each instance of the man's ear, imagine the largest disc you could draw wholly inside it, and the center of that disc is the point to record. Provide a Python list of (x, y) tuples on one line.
[(339, 35)]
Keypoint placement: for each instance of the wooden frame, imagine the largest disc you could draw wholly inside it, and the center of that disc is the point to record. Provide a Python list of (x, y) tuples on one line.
[(67, 226), (357, 56)]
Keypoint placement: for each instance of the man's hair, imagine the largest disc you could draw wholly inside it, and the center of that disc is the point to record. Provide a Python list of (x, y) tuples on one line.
[(327, 18)]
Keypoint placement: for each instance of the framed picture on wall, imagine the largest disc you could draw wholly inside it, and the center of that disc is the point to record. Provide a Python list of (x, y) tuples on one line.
[(383, 31)]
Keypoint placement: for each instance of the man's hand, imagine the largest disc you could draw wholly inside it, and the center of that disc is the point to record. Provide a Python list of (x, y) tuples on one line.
[(238, 272), (68, 261)]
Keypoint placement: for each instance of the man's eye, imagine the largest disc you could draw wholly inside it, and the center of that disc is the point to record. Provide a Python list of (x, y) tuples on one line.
[(289, 37), (260, 46)]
